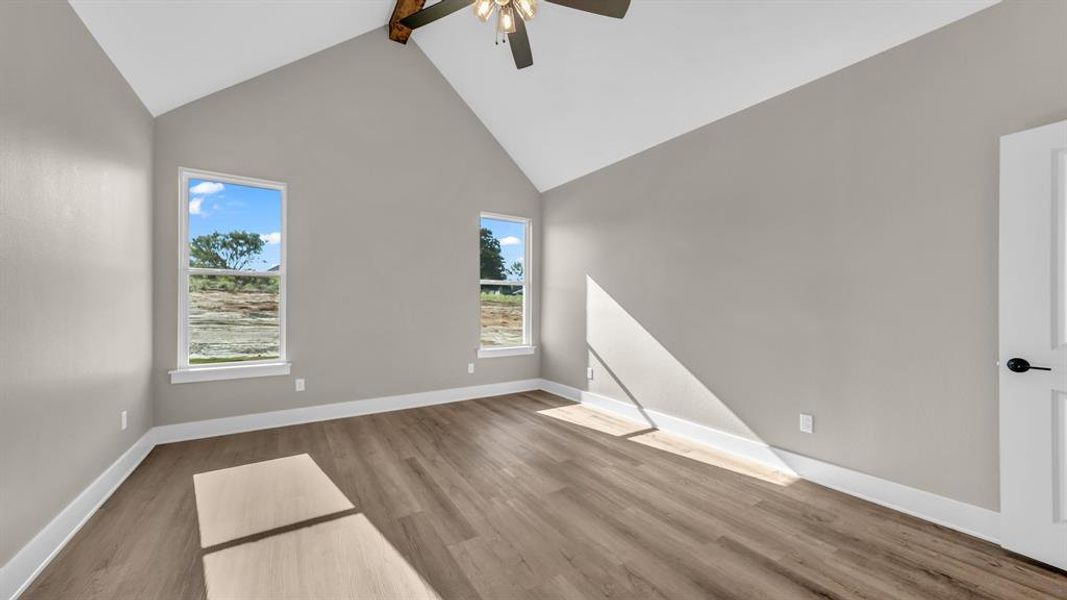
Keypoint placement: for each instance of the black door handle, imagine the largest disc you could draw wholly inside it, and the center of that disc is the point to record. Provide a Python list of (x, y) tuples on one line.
[(1021, 365)]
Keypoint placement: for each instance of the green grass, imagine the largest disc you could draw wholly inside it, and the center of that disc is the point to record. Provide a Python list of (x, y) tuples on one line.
[(227, 283), (228, 359), (493, 298)]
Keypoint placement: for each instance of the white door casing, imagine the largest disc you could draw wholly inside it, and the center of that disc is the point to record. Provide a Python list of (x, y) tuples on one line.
[(1033, 326)]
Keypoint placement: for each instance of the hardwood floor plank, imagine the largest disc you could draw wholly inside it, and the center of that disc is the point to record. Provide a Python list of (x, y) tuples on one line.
[(493, 499), (427, 552)]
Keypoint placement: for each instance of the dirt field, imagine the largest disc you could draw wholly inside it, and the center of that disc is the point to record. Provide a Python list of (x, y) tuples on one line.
[(236, 325), (232, 325), (501, 322)]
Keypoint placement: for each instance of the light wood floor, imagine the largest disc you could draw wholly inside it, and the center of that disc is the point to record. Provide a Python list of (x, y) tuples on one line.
[(491, 499)]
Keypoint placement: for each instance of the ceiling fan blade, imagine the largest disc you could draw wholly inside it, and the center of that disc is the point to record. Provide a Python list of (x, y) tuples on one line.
[(608, 8), (431, 14), (520, 45)]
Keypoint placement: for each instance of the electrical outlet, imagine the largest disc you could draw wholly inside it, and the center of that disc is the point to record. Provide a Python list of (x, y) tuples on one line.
[(300, 385), (589, 373), (123, 416), (807, 423), (470, 367)]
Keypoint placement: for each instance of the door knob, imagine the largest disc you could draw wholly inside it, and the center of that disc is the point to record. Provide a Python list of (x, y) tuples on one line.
[(1021, 365)]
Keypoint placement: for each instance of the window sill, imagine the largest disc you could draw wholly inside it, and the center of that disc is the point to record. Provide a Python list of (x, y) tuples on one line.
[(506, 351), (221, 373)]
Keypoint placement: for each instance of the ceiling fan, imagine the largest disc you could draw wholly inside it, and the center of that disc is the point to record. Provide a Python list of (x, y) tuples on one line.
[(511, 18)]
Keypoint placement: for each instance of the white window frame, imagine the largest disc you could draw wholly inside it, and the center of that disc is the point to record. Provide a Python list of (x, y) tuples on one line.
[(186, 373), (527, 346)]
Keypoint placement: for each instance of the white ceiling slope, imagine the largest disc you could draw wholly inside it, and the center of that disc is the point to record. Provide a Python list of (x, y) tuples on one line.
[(600, 89), (174, 51)]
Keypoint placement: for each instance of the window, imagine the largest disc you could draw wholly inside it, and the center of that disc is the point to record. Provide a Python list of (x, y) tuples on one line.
[(231, 278), (505, 286)]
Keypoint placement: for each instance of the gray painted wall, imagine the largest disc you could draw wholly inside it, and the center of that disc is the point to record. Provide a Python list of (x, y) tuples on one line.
[(387, 171), (832, 250), (75, 265)]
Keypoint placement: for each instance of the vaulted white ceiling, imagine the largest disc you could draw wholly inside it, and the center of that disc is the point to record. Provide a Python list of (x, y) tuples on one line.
[(600, 89), (174, 51)]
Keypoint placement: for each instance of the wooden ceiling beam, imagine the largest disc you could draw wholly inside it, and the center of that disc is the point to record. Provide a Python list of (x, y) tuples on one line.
[(397, 32)]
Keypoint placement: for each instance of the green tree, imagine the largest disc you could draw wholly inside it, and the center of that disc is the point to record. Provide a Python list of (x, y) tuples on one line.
[(492, 259), (516, 269), (233, 250)]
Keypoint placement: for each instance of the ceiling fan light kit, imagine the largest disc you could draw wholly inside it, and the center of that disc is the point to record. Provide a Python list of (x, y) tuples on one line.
[(527, 9), (483, 9), (506, 22)]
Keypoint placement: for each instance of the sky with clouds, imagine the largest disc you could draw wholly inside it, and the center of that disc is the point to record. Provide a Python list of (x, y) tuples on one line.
[(511, 236), (225, 207)]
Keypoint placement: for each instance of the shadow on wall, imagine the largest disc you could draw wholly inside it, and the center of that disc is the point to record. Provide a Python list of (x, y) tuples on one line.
[(642, 371)]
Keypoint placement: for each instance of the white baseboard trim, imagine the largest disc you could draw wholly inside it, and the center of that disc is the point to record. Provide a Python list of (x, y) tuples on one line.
[(564, 391), (165, 434), (727, 442), (960, 516), (624, 409), (17, 574)]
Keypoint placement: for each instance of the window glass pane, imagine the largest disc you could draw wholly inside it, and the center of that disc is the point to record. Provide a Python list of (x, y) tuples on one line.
[(503, 245), (234, 226), (232, 319), (502, 315)]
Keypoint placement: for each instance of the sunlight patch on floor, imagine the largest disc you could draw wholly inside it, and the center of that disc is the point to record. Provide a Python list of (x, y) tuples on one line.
[(343, 558), (592, 418), (249, 499), (642, 433), (294, 535), (707, 455)]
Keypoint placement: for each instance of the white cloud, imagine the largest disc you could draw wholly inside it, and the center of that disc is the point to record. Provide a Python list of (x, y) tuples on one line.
[(510, 241), (271, 238), (194, 206), (206, 188)]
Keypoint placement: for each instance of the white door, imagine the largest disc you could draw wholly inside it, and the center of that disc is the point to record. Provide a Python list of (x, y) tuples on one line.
[(1033, 329)]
